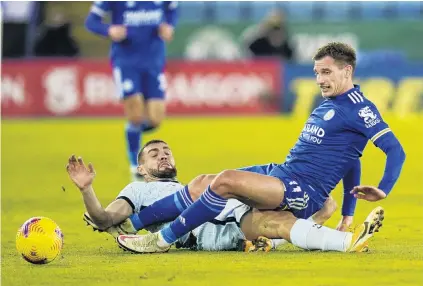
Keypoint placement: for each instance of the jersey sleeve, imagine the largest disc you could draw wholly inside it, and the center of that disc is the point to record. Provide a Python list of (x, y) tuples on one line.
[(93, 22), (350, 180), (100, 8), (132, 193), (367, 120), (171, 12)]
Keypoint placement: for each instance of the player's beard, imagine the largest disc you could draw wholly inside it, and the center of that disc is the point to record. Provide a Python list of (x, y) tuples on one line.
[(167, 173)]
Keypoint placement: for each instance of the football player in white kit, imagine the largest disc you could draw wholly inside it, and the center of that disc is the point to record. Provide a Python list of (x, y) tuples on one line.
[(157, 164)]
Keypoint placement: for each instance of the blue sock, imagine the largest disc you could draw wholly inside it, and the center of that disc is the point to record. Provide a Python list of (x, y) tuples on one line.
[(164, 210), (203, 210), (147, 126), (133, 138)]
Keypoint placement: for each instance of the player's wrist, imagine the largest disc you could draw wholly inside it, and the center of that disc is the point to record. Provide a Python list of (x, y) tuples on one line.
[(86, 188), (383, 191)]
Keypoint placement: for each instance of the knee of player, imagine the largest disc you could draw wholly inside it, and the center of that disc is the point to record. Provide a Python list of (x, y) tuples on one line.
[(197, 186), (202, 179), (223, 183)]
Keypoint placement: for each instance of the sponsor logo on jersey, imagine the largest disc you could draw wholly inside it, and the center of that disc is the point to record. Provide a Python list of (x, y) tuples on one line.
[(313, 133), (142, 17), (370, 119), (329, 115)]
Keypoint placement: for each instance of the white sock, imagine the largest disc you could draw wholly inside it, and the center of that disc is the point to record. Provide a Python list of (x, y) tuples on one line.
[(161, 242), (278, 242), (308, 235)]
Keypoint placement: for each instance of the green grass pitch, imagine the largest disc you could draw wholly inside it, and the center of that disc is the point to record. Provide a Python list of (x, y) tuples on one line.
[(34, 154)]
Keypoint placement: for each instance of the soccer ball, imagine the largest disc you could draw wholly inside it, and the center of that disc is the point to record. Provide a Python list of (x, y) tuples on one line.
[(39, 240)]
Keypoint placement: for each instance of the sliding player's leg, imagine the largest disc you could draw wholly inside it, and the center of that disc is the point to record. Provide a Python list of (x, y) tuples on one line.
[(260, 191), (256, 190), (309, 235), (170, 207), (263, 192), (253, 224)]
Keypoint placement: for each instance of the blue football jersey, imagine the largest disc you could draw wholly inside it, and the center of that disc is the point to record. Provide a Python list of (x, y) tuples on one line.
[(143, 47), (333, 137)]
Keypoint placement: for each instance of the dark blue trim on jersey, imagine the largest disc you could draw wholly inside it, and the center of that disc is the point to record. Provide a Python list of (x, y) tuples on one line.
[(94, 24), (350, 180), (395, 157), (168, 180), (128, 201)]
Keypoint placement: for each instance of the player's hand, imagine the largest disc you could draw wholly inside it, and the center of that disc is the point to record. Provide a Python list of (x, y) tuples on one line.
[(345, 223), (166, 32), (368, 193), (117, 33), (81, 175)]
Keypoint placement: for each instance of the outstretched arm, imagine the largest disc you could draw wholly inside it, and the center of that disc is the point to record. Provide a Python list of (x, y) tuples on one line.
[(395, 157), (368, 121), (83, 177), (116, 212)]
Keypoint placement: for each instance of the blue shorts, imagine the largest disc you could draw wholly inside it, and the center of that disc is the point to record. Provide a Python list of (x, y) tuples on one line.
[(297, 194), (130, 81)]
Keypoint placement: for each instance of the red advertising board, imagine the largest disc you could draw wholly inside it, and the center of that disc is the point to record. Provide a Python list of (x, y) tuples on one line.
[(86, 88)]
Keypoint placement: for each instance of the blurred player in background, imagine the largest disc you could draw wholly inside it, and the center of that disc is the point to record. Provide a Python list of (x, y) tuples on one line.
[(225, 232), (330, 144), (138, 30)]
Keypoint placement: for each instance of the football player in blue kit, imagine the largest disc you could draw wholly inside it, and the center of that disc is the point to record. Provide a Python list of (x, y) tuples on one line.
[(328, 150), (138, 30)]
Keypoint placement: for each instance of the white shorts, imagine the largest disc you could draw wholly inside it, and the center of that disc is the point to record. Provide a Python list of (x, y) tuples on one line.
[(224, 232)]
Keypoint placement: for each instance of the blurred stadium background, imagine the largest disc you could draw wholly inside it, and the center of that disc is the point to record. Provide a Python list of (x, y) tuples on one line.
[(229, 105)]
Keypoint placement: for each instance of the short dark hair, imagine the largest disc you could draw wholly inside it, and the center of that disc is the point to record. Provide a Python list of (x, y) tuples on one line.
[(340, 52), (154, 141)]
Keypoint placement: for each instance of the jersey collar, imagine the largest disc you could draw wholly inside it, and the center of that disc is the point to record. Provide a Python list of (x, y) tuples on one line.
[(343, 95)]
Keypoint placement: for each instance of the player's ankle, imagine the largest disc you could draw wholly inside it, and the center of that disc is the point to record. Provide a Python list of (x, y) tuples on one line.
[(347, 241), (161, 242)]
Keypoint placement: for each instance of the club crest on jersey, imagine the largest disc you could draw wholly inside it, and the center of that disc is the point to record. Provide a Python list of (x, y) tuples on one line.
[(329, 115), (370, 119)]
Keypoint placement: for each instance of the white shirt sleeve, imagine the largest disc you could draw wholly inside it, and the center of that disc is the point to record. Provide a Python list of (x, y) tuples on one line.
[(132, 193)]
